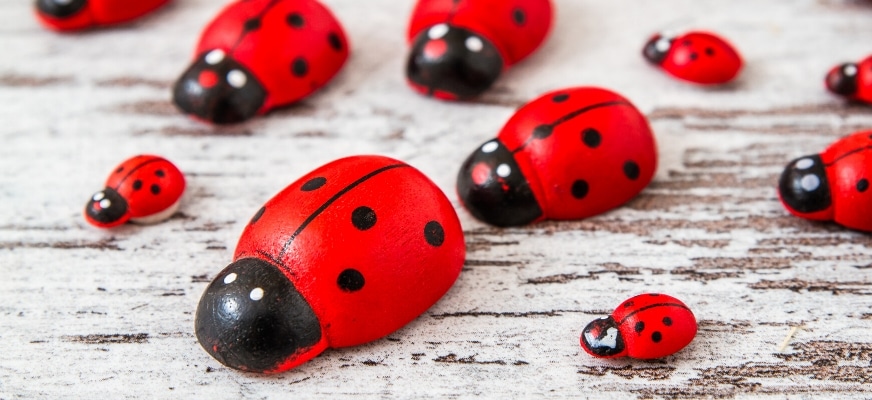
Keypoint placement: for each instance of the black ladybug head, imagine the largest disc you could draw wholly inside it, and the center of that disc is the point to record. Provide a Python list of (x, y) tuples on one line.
[(601, 338), (656, 49), (106, 208), (842, 80), (218, 89), (60, 8), (803, 186), (252, 318), (494, 190), (455, 61)]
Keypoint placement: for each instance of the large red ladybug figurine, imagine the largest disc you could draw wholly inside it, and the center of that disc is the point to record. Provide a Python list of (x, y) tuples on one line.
[(144, 189), (645, 326), (347, 254), (460, 47), (852, 80), (570, 154), (257, 55), (67, 15), (698, 57), (833, 185)]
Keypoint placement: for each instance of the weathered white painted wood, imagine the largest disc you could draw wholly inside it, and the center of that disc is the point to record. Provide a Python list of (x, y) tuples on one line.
[(89, 313)]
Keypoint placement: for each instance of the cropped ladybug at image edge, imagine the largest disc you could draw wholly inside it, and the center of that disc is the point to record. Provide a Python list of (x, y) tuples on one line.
[(852, 80), (72, 15)]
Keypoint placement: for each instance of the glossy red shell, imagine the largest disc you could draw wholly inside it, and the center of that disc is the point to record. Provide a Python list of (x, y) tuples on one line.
[(99, 13), (701, 57), (862, 80)]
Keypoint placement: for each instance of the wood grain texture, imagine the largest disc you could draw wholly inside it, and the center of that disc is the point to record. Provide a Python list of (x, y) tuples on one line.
[(86, 313)]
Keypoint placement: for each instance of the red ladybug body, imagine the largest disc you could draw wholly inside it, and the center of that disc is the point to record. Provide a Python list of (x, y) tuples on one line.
[(68, 15), (698, 57), (852, 80), (460, 47), (570, 154), (833, 185), (345, 255), (144, 189), (257, 55), (645, 326)]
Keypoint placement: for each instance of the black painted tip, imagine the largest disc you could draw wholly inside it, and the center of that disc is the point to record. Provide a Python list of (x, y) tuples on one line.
[(106, 208), (656, 49), (494, 190), (842, 80), (453, 60), (60, 8), (602, 338), (803, 185), (252, 318), (218, 89)]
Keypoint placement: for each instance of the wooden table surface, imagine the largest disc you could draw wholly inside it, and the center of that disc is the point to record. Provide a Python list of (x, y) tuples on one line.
[(88, 313)]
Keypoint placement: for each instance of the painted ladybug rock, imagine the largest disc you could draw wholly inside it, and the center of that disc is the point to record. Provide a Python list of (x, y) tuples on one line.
[(833, 185), (68, 15), (569, 154), (698, 57), (645, 326), (257, 55), (852, 80), (460, 47), (144, 189), (347, 254)]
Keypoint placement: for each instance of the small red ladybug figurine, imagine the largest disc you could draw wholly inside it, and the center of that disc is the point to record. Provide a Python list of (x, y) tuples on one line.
[(570, 154), (460, 47), (645, 326), (347, 254), (833, 185), (698, 57), (852, 80), (144, 189), (257, 55), (67, 15)]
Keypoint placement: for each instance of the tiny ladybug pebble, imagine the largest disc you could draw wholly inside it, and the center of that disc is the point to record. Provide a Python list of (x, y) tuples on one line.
[(646, 326), (833, 185), (257, 55), (69, 15), (347, 254), (460, 47), (570, 154), (144, 189), (852, 80), (698, 57)]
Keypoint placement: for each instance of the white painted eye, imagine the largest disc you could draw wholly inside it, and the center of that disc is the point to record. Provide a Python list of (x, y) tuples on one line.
[(256, 294), (489, 147), (437, 31), (810, 183), (98, 196), (215, 56), (805, 163), (610, 339), (504, 170), (663, 45), (230, 278), (62, 2), (105, 203), (236, 78), (850, 70), (474, 44)]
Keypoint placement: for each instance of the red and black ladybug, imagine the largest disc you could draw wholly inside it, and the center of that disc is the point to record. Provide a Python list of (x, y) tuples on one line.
[(257, 55), (347, 254), (570, 154), (144, 189), (698, 57), (852, 80), (460, 47), (67, 15), (833, 185), (645, 326)]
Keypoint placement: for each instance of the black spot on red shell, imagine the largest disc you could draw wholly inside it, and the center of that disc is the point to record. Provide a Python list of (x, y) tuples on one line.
[(295, 20), (591, 138), (667, 321), (628, 304), (542, 131), (335, 41), (350, 280), (560, 98), (252, 24), (257, 215), (434, 234), (363, 218), (862, 185), (580, 189), (155, 189), (709, 51), (693, 56), (119, 170), (300, 67), (686, 42), (640, 326), (656, 337), (519, 16), (653, 294), (137, 184), (631, 170), (160, 173), (314, 184)]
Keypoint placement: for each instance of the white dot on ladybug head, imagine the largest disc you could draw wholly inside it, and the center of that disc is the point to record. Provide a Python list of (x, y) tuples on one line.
[(489, 147), (256, 294), (850, 70), (215, 57), (663, 45), (504, 170), (474, 44), (99, 196), (236, 78), (230, 278), (810, 183), (63, 2), (437, 31), (805, 163), (105, 203)]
